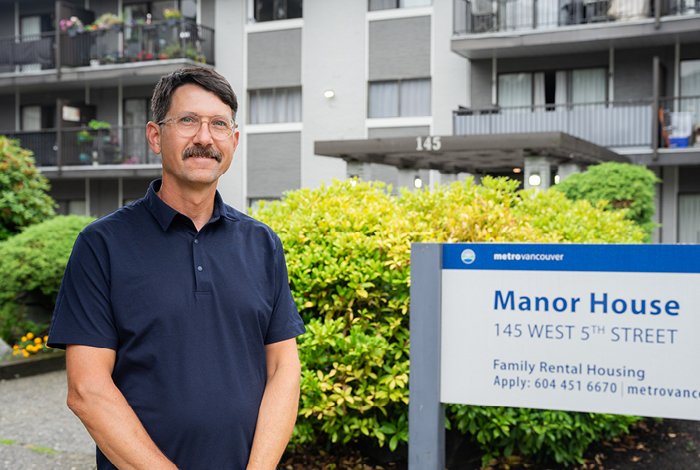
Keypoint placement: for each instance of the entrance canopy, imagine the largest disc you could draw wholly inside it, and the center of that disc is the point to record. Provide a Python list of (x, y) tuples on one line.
[(476, 154)]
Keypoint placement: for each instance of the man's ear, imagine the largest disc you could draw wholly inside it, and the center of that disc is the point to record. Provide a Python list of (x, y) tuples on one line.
[(153, 133)]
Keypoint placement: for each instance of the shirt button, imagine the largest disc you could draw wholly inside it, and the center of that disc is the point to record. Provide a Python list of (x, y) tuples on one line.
[(196, 241), (199, 268)]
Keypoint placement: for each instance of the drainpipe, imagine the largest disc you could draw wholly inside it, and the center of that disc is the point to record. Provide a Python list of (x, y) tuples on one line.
[(657, 14), (655, 110), (59, 133), (57, 52), (534, 14)]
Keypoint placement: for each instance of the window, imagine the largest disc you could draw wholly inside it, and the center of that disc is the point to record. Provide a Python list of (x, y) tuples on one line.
[(274, 105), (390, 4), (273, 10), (689, 218), (399, 98), (690, 88), (547, 90)]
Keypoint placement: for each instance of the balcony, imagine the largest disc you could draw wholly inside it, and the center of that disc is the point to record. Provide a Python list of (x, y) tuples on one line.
[(179, 39), (118, 148), (624, 126), (537, 27)]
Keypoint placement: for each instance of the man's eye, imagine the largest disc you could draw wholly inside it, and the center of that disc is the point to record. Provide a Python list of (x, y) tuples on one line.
[(188, 120), (220, 123)]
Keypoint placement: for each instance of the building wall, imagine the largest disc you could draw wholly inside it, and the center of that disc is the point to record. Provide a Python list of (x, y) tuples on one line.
[(208, 13), (274, 59), (105, 6), (634, 72), (7, 112), (274, 164), (7, 19), (410, 131), (481, 71), (450, 77), (106, 101), (399, 48), (230, 37), (334, 58), (35, 7), (104, 192)]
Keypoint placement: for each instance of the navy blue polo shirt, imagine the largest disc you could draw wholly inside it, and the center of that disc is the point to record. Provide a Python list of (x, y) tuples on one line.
[(189, 314)]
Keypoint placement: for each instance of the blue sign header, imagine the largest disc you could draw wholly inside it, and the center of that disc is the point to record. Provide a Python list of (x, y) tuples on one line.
[(572, 257)]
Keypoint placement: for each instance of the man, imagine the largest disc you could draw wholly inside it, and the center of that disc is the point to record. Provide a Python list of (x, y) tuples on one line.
[(175, 311)]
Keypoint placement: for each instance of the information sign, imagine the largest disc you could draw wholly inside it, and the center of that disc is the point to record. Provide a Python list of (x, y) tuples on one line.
[(593, 328)]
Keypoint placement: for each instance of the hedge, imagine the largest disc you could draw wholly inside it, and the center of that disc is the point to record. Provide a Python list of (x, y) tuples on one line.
[(32, 263), (348, 253), (621, 186)]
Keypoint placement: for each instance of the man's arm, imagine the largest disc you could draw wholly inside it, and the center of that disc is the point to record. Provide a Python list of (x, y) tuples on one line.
[(112, 423), (278, 410)]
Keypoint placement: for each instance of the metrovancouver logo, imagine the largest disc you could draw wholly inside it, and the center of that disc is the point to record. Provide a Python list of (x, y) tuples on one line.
[(527, 256), (468, 256)]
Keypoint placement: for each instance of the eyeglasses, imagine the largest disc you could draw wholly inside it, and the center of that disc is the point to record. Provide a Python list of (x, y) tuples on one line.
[(188, 125)]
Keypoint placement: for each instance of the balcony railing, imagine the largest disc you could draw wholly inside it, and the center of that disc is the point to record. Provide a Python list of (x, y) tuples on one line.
[(120, 44), (488, 16), (609, 124), (124, 145)]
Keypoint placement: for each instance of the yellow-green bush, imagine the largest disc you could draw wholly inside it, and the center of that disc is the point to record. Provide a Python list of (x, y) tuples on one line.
[(348, 254)]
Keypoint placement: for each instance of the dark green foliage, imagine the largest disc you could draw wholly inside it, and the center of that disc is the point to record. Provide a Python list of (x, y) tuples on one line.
[(31, 267), (23, 198), (623, 186), (545, 435)]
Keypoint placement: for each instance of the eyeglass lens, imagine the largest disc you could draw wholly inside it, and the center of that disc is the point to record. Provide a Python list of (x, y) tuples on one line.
[(188, 125)]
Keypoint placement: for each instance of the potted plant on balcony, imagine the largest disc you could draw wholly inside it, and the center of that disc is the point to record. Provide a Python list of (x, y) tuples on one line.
[(172, 16), (171, 52), (72, 25), (109, 21), (84, 137)]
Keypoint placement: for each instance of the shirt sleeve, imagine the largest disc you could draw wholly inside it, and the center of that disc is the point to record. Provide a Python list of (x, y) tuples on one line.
[(285, 322), (83, 313)]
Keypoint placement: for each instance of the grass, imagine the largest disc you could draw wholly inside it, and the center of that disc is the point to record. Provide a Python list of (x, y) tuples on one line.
[(43, 450)]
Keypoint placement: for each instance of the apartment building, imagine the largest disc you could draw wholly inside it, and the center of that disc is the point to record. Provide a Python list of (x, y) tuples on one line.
[(620, 74), (406, 91)]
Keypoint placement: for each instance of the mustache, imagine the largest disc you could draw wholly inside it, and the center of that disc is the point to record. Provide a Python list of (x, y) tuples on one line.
[(205, 152)]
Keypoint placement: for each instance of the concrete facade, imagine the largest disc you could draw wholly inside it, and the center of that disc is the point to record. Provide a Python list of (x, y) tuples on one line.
[(333, 54)]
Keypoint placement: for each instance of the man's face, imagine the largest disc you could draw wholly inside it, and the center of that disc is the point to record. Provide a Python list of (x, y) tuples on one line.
[(201, 159)]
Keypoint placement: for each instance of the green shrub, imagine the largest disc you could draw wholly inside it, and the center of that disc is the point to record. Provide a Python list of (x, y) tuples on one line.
[(348, 255), (623, 186), (32, 265), (23, 198)]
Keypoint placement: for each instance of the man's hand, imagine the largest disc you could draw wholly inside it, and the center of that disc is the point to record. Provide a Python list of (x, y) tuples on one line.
[(104, 411), (278, 410)]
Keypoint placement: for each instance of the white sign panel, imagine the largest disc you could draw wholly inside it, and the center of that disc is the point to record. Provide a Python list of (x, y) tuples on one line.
[(594, 328), (71, 114)]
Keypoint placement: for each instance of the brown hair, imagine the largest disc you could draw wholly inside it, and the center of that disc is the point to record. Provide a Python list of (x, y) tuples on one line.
[(202, 76)]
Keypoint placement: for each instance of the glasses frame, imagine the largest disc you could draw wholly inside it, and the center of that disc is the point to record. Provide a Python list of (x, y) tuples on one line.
[(201, 121)]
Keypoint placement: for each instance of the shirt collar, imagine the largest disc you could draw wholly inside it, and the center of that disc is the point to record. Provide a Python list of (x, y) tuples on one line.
[(165, 214)]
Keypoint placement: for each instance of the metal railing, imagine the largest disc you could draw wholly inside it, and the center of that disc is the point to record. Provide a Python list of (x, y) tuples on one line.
[(488, 16), (123, 43), (30, 52), (121, 145), (608, 124)]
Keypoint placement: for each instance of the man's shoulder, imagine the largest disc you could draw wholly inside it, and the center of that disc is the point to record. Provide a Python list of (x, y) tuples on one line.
[(126, 217), (252, 226)]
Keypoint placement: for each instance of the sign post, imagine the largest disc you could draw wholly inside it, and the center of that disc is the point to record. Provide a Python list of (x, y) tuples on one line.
[(592, 328)]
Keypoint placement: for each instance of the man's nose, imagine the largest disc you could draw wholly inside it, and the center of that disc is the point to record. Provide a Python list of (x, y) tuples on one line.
[(203, 136)]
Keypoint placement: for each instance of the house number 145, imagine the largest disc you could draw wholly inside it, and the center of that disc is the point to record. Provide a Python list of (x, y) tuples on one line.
[(430, 143)]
